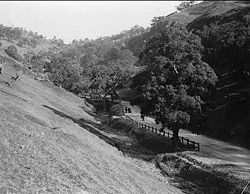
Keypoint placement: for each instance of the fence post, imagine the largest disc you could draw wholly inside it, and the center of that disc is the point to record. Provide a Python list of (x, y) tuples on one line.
[(193, 144), (189, 143)]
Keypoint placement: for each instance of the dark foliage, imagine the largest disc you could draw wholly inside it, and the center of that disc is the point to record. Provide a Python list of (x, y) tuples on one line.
[(116, 110), (179, 82), (184, 5), (12, 52)]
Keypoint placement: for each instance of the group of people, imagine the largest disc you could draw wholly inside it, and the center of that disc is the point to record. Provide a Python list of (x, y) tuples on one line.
[(127, 110)]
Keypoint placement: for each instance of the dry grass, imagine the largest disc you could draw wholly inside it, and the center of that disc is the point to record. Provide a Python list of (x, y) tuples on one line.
[(198, 172)]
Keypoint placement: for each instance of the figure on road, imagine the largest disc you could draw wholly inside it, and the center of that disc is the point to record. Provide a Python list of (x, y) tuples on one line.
[(1, 67)]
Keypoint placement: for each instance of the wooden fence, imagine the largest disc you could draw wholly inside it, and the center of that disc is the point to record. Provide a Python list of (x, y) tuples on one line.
[(184, 141)]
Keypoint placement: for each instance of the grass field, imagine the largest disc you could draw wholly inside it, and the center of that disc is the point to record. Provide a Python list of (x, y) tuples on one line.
[(51, 143)]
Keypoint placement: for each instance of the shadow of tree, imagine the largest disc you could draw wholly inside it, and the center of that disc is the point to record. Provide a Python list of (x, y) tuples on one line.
[(93, 114), (13, 95), (86, 124), (145, 146)]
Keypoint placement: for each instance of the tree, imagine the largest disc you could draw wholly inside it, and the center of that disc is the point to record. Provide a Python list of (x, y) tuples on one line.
[(157, 20), (227, 45), (179, 81), (185, 4), (87, 60), (62, 74), (12, 52), (112, 54), (105, 77), (226, 39)]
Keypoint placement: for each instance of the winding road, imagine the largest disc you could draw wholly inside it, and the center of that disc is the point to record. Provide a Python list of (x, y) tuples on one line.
[(223, 150)]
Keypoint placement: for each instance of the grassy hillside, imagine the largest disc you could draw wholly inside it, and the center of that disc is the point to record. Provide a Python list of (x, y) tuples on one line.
[(48, 145), (204, 10), (26, 42)]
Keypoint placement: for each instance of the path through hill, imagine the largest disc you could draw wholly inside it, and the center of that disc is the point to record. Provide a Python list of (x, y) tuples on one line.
[(223, 150)]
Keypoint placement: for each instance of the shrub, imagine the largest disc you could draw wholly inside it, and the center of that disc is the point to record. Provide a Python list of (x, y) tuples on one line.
[(12, 52), (20, 44), (116, 110), (123, 125)]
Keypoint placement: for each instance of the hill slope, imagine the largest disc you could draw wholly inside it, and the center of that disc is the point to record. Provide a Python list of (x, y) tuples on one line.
[(229, 116), (47, 146), (204, 10)]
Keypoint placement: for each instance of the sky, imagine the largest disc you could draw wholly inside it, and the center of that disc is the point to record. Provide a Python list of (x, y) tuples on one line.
[(81, 19)]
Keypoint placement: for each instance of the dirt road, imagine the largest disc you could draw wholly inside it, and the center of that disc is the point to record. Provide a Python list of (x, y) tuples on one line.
[(235, 154)]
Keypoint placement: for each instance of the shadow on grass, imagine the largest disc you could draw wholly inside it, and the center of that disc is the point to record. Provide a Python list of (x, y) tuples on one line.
[(86, 124), (13, 95), (93, 114), (145, 145)]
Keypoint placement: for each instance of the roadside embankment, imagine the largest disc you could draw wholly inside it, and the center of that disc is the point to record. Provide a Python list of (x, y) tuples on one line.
[(193, 172), (196, 172)]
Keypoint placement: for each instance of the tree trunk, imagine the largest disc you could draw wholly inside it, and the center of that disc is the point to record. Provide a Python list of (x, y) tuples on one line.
[(112, 97), (248, 107), (175, 140), (104, 104)]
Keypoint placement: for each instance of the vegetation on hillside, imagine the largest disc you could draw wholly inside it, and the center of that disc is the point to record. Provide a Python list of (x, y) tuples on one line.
[(185, 4), (225, 39), (93, 68), (12, 52), (97, 68), (179, 83)]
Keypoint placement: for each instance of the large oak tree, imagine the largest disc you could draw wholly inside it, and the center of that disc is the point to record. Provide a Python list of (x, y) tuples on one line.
[(179, 81)]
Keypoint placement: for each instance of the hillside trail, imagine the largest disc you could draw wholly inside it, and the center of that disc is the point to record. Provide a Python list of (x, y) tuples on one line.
[(223, 150), (51, 142)]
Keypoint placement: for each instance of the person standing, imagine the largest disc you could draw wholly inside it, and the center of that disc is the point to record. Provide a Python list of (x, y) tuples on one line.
[(1, 67)]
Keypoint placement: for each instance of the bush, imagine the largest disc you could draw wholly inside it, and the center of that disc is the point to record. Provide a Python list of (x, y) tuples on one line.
[(12, 52), (116, 110), (122, 124), (34, 42), (20, 43)]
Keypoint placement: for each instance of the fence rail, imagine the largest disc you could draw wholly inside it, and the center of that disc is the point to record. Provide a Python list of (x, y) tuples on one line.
[(184, 141)]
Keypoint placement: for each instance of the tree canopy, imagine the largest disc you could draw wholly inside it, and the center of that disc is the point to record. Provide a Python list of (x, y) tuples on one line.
[(179, 81), (185, 4)]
